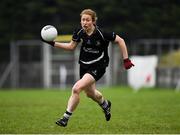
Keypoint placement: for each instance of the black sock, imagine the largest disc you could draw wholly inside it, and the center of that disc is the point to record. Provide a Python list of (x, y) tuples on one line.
[(67, 114), (104, 104)]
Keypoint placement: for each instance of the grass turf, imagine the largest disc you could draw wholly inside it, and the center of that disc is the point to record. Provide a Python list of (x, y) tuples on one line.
[(35, 112)]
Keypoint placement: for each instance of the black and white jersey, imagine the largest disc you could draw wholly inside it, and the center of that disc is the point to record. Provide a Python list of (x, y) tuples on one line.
[(94, 49)]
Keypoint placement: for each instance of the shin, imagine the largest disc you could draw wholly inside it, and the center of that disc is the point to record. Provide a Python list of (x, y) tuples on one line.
[(74, 98)]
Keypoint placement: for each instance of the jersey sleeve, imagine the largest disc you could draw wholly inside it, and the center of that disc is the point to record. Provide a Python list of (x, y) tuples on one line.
[(110, 36), (76, 35)]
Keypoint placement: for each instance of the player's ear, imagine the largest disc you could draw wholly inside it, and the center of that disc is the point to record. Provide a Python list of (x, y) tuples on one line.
[(94, 22)]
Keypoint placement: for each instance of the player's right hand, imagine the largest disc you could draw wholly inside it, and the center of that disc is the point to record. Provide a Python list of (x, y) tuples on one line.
[(127, 63), (52, 43)]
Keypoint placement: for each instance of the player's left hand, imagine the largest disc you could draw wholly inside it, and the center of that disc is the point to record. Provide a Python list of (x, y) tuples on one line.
[(52, 43), (127, 63)]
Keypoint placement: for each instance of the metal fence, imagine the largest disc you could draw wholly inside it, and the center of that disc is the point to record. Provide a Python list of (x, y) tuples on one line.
[(33, 64)]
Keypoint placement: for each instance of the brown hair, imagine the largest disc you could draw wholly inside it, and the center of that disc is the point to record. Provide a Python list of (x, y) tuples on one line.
[(91, 13)]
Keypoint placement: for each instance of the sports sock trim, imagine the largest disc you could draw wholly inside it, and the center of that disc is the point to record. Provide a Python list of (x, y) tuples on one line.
[(67, 114), (104, 104)]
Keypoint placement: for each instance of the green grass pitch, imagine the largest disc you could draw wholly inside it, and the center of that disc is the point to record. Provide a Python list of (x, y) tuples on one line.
[(34, 111)]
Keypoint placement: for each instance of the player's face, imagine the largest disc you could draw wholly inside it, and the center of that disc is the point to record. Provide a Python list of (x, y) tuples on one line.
[(86, 22)]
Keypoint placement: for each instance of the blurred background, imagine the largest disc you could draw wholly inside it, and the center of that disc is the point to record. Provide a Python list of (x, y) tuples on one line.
[(150, 28)]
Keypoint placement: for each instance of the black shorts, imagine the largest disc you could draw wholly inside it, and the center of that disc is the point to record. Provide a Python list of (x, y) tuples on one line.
[(97, 73)]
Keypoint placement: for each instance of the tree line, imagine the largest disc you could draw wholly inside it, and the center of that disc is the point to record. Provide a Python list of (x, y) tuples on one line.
[(22, 19)]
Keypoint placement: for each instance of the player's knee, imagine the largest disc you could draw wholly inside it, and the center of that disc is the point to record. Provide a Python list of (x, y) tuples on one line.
[(76, 89)]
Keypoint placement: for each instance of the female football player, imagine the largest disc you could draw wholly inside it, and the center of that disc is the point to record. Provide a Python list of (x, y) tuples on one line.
[(93, 60)]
